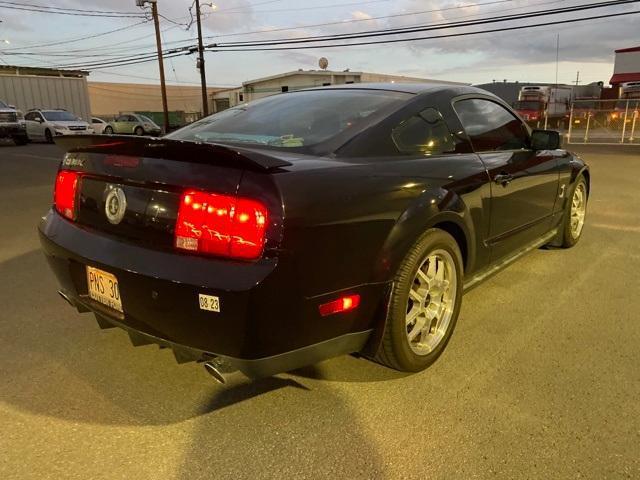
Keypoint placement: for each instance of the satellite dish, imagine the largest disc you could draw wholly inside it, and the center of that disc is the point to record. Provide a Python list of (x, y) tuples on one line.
[(323, 63)]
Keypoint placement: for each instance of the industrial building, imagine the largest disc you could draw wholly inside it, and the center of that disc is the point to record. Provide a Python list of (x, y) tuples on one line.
[(626, 67), (300, 79), (109, 99), (31, 87)]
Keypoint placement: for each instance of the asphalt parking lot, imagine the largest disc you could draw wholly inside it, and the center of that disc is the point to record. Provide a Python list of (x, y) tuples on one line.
[(541, 378)]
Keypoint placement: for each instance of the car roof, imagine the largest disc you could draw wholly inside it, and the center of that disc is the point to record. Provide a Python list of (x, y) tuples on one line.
[(46, 110)]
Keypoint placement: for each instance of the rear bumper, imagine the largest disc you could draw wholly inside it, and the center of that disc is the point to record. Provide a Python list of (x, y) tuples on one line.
[(265, 325)]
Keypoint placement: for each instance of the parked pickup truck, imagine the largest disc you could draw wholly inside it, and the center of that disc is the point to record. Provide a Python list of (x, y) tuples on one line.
[(11, 126)]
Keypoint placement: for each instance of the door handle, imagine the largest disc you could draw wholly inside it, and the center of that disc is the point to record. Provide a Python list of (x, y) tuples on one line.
[(503, 179)]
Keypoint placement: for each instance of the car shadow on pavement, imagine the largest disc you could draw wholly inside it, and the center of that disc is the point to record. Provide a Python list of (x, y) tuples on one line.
[(301, 432), (57, 363), (349, 368)]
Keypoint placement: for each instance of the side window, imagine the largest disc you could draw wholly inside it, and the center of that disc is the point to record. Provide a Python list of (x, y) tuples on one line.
[(121, 118), (131, 118), (29, 116), (490, 126), (425, 133)]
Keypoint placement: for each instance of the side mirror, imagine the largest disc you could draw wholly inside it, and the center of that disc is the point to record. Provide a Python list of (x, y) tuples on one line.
[(545, 140)]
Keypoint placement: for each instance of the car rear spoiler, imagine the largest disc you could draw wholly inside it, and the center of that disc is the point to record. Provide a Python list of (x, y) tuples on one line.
[(180, 150)]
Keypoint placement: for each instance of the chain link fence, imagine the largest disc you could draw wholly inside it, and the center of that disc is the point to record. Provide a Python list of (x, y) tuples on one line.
[(605, 122)]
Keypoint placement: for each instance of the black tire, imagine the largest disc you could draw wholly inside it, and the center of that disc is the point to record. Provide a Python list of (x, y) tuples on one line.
[(569, 237), (20, 140), (47, 135), (108, 130), (138, 131), (394, 350)]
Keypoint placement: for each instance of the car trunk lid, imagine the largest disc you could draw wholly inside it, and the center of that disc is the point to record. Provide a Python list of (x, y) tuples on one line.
[(150, 175)]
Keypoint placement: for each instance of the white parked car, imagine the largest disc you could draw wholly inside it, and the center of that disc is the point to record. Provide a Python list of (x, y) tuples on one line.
[(98, 124), (46, 124)]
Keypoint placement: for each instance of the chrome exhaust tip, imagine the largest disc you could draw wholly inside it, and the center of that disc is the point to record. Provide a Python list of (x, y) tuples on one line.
[(219, 369)]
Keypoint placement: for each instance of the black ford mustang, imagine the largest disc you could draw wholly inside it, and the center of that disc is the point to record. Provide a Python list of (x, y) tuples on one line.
[(308, 225)]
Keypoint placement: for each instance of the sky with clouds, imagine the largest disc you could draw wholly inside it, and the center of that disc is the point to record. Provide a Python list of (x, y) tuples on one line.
[(524, 55)]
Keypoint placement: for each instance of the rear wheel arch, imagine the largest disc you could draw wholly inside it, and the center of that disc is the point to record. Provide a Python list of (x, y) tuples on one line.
[(412, 224), (587, 176), (459, 235)]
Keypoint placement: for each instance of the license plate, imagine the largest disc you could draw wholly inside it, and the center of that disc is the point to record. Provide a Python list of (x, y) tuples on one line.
[(103, 288)]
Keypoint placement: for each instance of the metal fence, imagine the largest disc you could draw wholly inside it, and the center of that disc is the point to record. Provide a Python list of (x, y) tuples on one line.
[(605, 122)]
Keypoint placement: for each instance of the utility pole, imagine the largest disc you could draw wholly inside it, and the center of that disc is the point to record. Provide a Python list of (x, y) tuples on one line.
[(163, 86), (557, 57), (578, 77), (203, 75)]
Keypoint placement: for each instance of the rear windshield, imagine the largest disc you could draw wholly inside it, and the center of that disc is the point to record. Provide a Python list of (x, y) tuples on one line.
[(146, 119), (57, 116), (288, 120), (3, 105)]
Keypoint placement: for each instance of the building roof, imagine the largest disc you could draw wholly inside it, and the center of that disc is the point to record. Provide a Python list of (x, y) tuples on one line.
[(299, 72), (414, 88), (41, 71), (627, 50), (345, 73), (619, 78)]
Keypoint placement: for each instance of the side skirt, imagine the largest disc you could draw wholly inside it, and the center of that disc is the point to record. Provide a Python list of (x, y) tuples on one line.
[(502, 264)]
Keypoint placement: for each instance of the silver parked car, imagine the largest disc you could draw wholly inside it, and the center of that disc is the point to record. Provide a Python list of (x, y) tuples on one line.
[(132, 124)]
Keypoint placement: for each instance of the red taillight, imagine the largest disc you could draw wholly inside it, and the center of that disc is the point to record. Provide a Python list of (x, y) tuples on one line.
[(221, 225), (343, 304), (65, 193)]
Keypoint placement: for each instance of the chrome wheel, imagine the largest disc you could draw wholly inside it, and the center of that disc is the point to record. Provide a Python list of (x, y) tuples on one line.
[(431, 302), (578, 209)]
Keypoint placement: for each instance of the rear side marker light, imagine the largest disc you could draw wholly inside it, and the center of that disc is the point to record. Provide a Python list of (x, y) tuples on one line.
[(222, 225), (343, 304), (65, 193)]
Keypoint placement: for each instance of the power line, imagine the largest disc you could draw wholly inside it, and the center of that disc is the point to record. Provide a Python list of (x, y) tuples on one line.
[(422, 28), (356, 20), (270, 45), (79, 13), (452, 35), (74, 40), (278, 44), (461, 34), (343, 22), (21, 4), (316, 7)]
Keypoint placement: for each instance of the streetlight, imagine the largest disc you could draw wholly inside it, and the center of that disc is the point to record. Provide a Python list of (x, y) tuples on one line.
[(200, 62)]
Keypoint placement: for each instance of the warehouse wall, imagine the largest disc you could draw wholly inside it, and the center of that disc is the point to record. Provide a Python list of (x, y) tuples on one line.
[(27, 92), (108, 99)]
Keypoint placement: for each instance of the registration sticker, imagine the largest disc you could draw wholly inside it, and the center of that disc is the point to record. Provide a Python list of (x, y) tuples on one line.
[(209, 302)]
